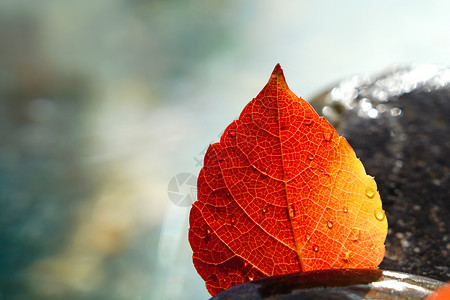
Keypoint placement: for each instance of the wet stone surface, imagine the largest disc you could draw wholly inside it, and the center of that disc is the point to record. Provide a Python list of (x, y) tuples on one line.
[(334, 284), (399, 126)]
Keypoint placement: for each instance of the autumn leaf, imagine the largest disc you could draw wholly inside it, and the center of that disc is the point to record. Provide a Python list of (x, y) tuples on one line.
[(442, 293), (283, 193)]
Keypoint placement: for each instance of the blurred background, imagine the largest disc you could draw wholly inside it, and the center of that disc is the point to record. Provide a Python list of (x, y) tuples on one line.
[(107, 107)]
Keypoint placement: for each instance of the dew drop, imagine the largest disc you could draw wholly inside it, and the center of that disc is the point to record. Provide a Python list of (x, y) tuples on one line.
[(308, 121), (345, 209), (232, 132), (379, 214), (326, 131), (291, 211), (328, 180), (219, 156), (245, 264), (346, 257), (310, 156), (330, 225), (233, 221), (355, 235), (207, 236), (250, 277), (264, 210), (370, 192), (315, 248)]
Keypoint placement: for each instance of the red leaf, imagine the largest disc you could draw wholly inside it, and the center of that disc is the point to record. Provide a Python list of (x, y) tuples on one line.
[(442, 293), (282, 193)]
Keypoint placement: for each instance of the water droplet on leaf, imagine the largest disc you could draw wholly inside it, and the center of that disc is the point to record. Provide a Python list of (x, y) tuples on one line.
[(245, 264), (233, 220), (315, 248), (291, 211), (219, 156), (207, 236), (355, 235), (250, 277), (346, 257), (232, 132), (370, 192), (310, 156), (379, 214), (330, 225), (264, 210), (329, 179), (307, 121), (345, 209), (326, 132)]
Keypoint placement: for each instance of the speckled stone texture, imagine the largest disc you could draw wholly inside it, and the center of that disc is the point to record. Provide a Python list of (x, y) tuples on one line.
[(399, 126)]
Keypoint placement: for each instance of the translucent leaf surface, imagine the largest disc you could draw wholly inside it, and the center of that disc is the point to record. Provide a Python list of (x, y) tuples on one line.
[(283, 193)]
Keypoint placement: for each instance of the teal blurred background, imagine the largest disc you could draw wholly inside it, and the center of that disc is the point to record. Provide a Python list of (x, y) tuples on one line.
[(103, 103)]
